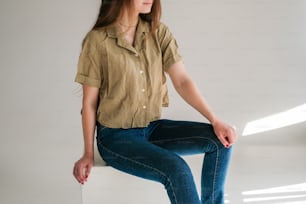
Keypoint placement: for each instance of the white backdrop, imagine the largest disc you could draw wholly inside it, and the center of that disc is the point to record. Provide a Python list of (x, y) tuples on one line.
[(247, 56)]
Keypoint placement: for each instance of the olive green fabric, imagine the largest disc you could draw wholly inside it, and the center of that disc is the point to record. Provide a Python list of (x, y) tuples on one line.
[(131, 79)]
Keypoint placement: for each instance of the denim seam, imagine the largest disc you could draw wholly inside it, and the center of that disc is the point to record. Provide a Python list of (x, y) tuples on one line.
[(216, 164), (215, 174), (141, 164)]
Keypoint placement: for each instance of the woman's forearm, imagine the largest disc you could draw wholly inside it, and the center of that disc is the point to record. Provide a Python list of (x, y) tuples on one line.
[(88, 123), (89, 110), (83, 166), (191, 94)]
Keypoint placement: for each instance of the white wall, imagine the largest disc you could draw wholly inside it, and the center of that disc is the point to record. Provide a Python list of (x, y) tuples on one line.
[(247, 56)]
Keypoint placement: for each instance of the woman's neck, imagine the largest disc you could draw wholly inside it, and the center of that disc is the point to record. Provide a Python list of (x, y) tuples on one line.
[(127, 23), (128, 20)]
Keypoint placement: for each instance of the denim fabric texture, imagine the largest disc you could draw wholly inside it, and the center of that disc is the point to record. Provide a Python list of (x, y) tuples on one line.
[(154, 153)]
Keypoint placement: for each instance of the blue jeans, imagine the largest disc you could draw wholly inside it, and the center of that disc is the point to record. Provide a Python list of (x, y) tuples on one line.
[(153, 153)]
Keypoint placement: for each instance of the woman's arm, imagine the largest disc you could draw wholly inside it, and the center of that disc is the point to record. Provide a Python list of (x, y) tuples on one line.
[(89, 108), (191, 94)]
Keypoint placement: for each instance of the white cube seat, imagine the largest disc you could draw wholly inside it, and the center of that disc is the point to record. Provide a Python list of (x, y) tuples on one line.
[(107, 185)]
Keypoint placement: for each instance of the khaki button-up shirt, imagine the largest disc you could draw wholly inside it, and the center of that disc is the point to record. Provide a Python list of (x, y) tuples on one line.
[(131, 79)]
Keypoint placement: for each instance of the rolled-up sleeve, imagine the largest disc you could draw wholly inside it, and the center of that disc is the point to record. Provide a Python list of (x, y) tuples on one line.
[(169, 47), (89, 65)]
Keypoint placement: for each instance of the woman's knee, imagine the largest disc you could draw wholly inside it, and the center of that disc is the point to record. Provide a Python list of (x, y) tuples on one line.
[(177, 168)]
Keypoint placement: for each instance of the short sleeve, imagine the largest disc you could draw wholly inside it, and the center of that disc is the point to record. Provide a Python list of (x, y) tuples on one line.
[(89, 66), (169, 47)]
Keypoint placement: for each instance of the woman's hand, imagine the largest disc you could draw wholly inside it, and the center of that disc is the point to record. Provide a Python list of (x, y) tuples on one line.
[(82, 168), (225, 133)]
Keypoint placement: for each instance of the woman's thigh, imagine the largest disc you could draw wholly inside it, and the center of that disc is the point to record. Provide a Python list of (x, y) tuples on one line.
[(185, 137), (131, 152)]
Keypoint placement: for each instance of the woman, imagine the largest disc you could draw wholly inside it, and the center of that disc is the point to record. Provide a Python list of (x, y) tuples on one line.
[(122, 70)]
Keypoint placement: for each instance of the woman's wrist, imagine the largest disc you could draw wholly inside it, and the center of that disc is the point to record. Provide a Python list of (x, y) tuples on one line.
[(213, 120), (89, 155)]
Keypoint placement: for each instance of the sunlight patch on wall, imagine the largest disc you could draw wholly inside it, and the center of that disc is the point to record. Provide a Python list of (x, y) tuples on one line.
[(293, 202), (279, 120), (277, 194), (282, 189), (248, 200)]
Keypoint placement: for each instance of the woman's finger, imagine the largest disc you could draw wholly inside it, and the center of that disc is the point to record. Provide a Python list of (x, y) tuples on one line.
[(223, 140), (232, 136), (78, 173), (88, 169)]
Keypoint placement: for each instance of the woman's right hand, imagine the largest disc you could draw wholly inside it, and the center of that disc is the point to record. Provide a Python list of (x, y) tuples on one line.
[(82, 168)]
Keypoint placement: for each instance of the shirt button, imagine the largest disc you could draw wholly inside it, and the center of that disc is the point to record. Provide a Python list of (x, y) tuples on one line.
[(136, 54), (141, 71), (144, 107), (143, 90)]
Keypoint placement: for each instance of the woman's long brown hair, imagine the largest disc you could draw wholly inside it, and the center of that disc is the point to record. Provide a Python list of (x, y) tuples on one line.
[(111, 10)]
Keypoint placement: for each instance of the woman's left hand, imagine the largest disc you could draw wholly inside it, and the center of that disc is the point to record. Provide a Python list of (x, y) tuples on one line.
[(225, 133)]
